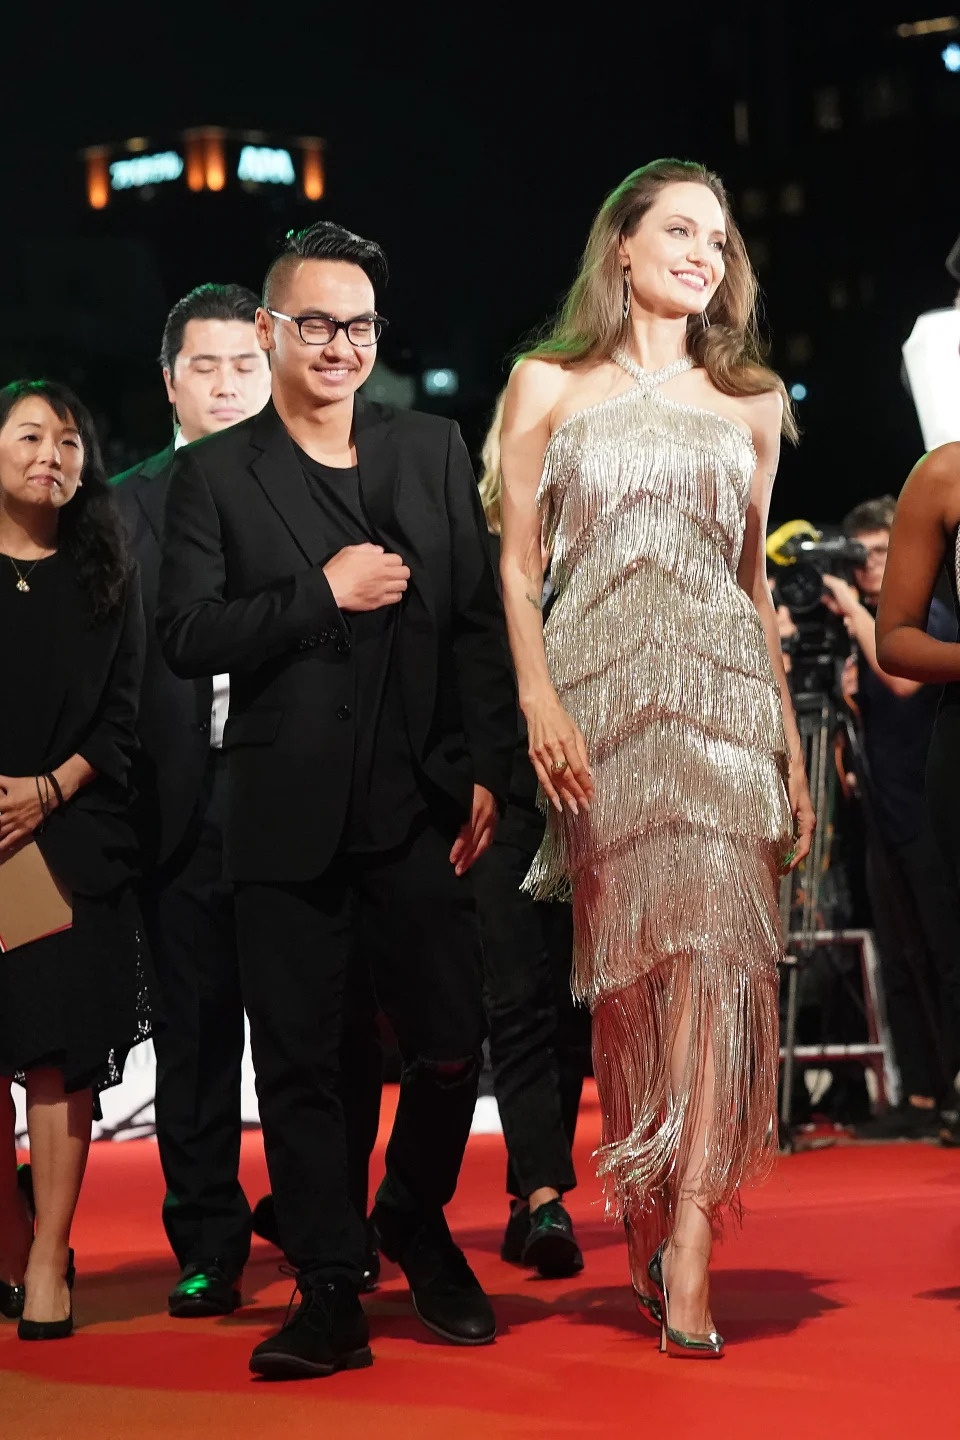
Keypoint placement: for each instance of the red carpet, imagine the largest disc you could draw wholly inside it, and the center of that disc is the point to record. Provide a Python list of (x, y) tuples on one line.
[(839, 1301)]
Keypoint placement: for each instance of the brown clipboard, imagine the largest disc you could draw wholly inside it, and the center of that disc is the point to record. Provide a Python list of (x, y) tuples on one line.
[(33, 903)]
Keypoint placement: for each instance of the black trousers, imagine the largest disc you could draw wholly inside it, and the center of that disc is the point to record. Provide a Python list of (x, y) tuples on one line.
[(539, 1040), (189, 917), (917, 922), (417, 923)]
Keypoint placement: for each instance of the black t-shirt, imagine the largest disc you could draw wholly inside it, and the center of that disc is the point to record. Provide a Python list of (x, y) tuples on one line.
[(896, 737), (385, 795)]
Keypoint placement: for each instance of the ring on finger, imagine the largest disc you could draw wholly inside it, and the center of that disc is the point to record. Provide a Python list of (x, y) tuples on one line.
[(558, 767)]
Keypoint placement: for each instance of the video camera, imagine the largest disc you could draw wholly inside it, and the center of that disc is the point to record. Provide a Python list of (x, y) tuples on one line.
[(800, 556)]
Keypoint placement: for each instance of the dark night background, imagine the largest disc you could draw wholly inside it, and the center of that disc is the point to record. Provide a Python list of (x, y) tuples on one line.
[(476, 144)]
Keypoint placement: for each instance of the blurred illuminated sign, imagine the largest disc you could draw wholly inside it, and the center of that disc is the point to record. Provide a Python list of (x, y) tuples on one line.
[(204, 159), (264, 166), (145, 170)]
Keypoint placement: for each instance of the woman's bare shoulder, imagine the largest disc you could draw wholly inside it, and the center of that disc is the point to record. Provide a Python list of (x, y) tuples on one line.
[(934, 482), (553, 391)]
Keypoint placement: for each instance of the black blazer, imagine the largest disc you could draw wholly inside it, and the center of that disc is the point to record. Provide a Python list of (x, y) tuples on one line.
[(242, 589), (94, 677), (174, 720)]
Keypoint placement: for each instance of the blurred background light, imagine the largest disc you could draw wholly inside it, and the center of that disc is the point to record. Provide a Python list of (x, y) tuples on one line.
[(440, 382), (798, 391), (951, 57)]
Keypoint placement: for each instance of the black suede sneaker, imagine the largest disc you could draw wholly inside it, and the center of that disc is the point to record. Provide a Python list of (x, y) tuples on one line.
[(446, 1294), (327, 1332), (551, 1246), (515, 1235)]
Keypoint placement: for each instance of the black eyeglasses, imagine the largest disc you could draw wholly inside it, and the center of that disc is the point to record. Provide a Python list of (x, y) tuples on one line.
[(362, 330)]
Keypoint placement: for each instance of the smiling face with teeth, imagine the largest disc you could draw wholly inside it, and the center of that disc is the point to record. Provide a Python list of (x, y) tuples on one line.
[(317, 375), (675, 254)]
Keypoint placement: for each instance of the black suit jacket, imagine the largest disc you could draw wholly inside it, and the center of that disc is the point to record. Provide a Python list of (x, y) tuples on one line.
[(242, 589), (92, 677), (174, 720)]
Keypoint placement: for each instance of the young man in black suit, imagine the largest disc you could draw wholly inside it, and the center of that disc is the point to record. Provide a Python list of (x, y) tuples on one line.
[(216, 375), (331, 554)]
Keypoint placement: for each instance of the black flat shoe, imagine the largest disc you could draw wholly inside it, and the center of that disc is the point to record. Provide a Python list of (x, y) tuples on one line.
[(265, 1225), (551, 1246), (446, 1294), (12, 1297), (206, 1287), (327, 1332), (11, 1300), (515, 1234), (52, 1329)]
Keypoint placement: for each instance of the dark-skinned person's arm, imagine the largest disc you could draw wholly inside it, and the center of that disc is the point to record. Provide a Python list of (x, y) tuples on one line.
[(926, 517)]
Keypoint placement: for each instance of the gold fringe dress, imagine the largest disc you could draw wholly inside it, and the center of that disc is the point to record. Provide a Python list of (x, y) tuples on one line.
[(660, 658)]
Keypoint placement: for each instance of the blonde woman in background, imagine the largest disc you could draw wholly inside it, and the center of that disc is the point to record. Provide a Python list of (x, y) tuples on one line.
[(645, 433), (539, 1041)]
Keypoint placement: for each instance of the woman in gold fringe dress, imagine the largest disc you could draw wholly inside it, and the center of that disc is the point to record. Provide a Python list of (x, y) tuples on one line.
[(640, 442)]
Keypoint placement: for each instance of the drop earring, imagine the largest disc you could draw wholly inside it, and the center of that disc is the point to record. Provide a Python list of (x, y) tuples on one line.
[(705, 318), (626, 294)]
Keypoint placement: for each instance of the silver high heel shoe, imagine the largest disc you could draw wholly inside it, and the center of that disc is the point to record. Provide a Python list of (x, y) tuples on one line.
[(677, 1342), (647, 1305)]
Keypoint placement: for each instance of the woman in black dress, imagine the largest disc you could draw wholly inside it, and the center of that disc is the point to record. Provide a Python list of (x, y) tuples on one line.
[(71, 650)]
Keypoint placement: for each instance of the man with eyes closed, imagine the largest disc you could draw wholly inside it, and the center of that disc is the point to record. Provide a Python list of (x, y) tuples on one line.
[(215, 375), (331, 554)]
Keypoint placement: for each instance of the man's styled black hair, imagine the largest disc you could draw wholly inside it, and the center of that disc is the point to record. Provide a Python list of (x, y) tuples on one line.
[(206, 302), (326, 241)]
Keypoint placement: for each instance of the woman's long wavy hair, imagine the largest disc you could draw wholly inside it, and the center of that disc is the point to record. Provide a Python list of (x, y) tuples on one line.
[(591, 323), (491, 477), (89, 527)]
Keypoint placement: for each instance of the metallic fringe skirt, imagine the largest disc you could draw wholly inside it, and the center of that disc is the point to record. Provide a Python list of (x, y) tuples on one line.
[(676, 948)]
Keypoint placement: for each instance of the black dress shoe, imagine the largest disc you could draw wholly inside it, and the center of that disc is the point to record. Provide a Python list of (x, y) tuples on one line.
[(205, 1287), (265, 1225), (515, 1235), (445, 1292), (327, 1332), (550, 1245), (902, 1122)]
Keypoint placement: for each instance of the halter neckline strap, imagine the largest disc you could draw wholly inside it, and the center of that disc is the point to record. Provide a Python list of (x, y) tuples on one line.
[(649, 379)]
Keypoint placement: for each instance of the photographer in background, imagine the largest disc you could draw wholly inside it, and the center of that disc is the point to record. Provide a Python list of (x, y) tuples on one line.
[(917, 920)]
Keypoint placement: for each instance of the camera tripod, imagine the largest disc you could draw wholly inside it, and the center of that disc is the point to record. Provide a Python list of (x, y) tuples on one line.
[(808, 910)]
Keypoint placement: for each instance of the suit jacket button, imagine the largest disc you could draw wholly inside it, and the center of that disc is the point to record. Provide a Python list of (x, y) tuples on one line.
[(344, 712)]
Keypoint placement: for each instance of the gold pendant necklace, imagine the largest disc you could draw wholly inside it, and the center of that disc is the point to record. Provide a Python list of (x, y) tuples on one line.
[(22, 585)]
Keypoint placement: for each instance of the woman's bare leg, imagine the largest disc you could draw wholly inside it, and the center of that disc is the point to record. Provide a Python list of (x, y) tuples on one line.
[(687, 1254), (59, 1129), (16, 1231)]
